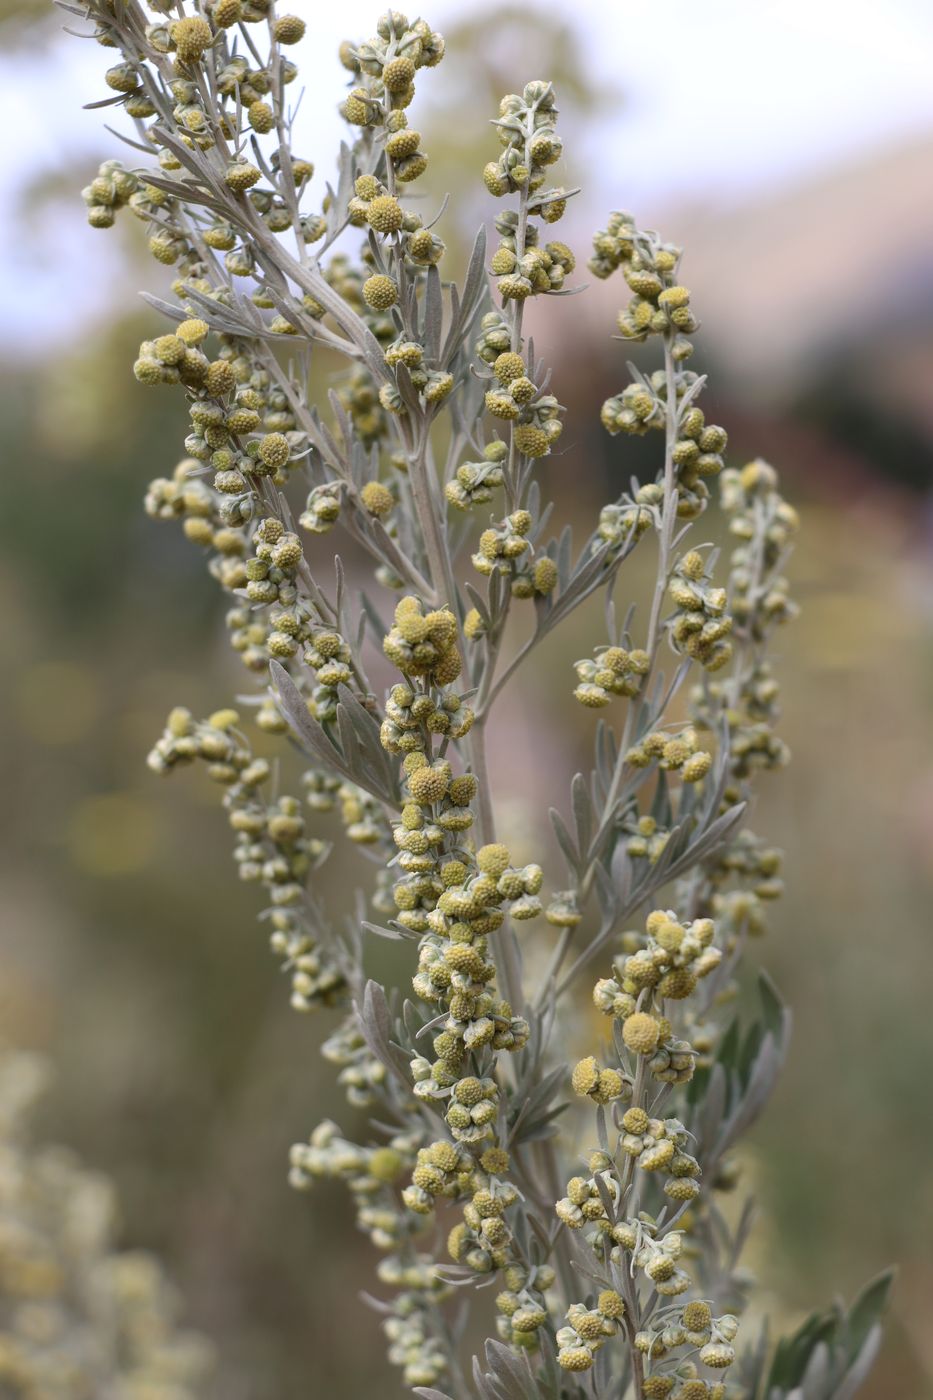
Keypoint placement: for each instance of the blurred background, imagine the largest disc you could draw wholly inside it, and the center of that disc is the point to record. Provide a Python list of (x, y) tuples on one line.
[(789, 148)]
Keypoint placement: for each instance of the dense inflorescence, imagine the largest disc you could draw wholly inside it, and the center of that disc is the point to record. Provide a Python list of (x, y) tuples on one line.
[(615, 1270)]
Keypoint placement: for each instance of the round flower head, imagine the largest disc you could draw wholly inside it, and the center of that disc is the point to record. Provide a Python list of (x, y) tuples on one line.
[(640, 1033)]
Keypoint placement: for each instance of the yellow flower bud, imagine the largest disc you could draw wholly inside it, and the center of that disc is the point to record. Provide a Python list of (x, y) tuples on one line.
[(380, 292), (377, 499), (640, 1033)]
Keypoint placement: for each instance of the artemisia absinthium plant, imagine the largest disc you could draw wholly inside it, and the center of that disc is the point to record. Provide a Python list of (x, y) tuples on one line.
[(78, 1318), (614, 1274)]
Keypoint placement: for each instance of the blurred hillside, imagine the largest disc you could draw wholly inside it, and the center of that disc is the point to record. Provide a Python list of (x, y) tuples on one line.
[(130, 955)]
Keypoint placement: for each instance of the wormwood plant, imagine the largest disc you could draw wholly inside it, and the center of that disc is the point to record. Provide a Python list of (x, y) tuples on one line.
[(605, 1259), (77, 1317)]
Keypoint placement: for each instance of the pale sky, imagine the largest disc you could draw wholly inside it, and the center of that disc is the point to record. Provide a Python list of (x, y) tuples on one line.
[(723, 98)]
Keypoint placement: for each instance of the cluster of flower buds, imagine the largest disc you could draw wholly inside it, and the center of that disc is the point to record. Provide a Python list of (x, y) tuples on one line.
[(583, 1204), (538, 426), (656, 308), (534, 416), (636, 410), (587, 1330), (249, 635), (455, 900), (238, 82), (536, 579), (272, 846), (361, 1075), (701, 626), (374, 207), (674, 1061), (521, 1307), (682, 1385), (413, 1342), (667, 962), (316, 979), (532, 269), (660, 1145), (626, 519), (602, 1086), (753, 743), (390, 60), (111, 189), (424, 644), (527, 133), (473, 1106), (370, 1172), (693, 1326), (482, 1240), (756, 508), (564, 909), (321, 789), (194, 41), (749, 701), (673, 957), (613, 246), (268, 579), (433, 385), (374, 296), (322, 508), (442, 1169), (363, 819), (167, 243), (403, 149), (646, 837), (659, 305), (666, 399), (613, 670), (454, 967), (184, 496), (696, 452), (703, 1330), (501, 545), (515, 389), (495, 338), (411, 716), (271, 571), (474, 482), (673, 753), (659, 1260), (229, 403), (175, 359)]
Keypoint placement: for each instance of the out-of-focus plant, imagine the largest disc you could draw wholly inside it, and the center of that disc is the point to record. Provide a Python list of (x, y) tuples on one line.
[(622, 1278), (77, 1318)]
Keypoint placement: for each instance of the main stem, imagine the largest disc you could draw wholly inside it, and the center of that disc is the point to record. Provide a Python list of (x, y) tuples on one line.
[(633, 720)]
